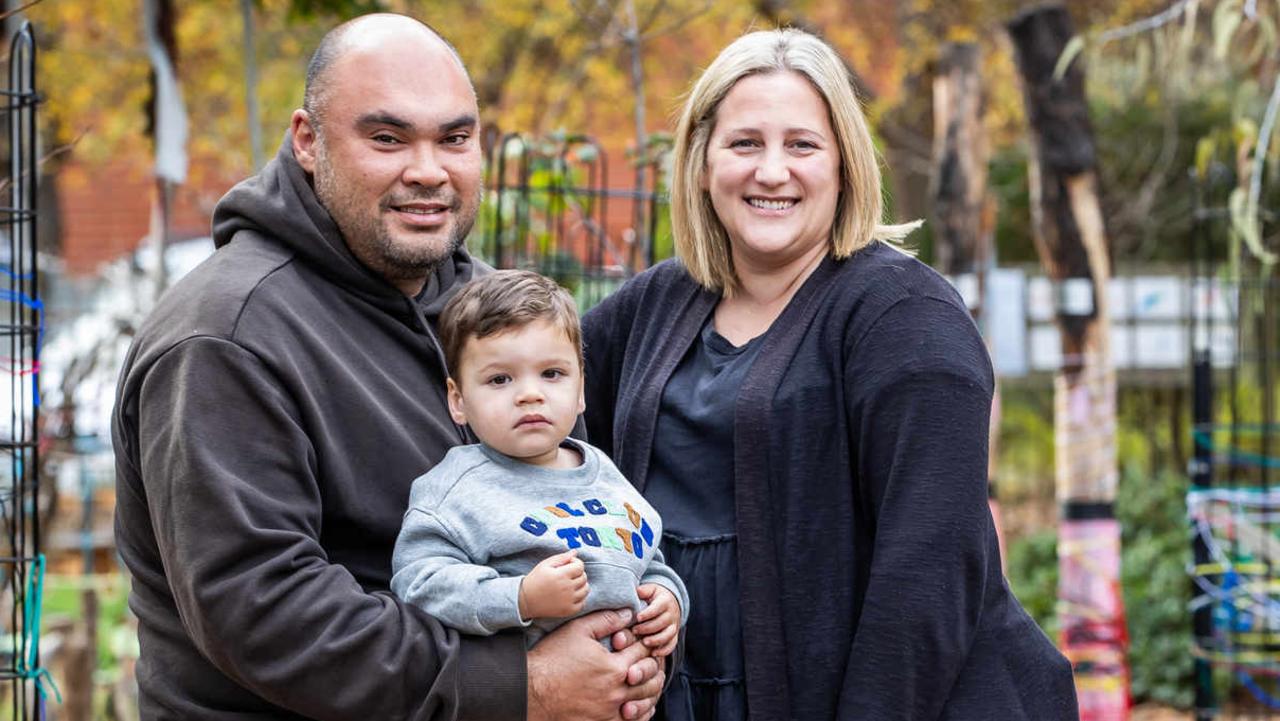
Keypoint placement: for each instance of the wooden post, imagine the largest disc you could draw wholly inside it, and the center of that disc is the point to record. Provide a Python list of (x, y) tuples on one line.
[(1071, 239), (82, 660), (961, 208)]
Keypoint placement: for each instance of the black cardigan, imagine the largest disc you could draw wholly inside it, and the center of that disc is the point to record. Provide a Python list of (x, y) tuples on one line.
[(871, 581)]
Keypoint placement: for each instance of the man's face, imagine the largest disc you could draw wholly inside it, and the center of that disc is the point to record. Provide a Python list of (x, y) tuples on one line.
[(397, 160)]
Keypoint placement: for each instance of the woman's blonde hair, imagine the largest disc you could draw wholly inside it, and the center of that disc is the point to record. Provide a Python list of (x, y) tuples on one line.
[(700, 238)]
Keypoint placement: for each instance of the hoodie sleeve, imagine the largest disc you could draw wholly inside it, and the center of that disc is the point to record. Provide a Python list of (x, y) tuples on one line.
[(231, 484), (434, 572)]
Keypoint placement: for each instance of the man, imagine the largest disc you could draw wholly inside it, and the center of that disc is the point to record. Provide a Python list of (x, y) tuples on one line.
[(278, 403)]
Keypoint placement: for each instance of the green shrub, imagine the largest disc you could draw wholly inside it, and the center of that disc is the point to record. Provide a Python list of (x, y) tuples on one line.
[(1156, 550), (1154, 553), (1033, 576)]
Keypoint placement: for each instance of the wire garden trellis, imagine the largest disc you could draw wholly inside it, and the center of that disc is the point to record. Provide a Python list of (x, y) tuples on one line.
[(1234, 498), (21, 563), (549, 207)]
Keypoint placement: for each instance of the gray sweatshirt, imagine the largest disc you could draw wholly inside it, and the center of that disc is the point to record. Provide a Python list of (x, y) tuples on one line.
[(479, 521)]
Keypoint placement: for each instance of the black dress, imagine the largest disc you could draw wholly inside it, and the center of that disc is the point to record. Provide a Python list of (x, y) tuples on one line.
[(691, 486)]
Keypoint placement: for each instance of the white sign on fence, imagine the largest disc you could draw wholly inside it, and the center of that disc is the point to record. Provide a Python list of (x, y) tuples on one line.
[(1150, 316)]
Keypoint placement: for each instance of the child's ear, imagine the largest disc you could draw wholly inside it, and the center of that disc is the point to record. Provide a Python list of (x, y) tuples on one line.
[(457, 410)]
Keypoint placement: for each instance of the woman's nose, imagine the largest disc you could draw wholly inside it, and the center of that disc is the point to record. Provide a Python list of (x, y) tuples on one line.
[(772, 169)]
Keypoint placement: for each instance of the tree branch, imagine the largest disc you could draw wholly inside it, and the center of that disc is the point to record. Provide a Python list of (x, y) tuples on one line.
[(1173, 12)]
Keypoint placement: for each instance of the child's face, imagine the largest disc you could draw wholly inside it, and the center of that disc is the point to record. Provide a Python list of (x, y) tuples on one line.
[(520, 390)]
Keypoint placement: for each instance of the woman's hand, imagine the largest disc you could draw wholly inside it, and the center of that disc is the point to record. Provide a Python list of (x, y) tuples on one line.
[(555, 588), (658, 625)]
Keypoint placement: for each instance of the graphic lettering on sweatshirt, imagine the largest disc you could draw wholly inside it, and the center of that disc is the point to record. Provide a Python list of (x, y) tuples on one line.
[(585, 523)]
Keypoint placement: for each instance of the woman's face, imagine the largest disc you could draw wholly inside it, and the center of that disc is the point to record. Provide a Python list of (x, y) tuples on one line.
[(773, 169)]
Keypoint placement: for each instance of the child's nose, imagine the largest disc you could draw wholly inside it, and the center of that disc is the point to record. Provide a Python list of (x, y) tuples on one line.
[(528, 392)]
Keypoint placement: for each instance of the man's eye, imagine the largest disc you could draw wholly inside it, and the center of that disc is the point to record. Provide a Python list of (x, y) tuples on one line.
[(457, 139), (385, 139)]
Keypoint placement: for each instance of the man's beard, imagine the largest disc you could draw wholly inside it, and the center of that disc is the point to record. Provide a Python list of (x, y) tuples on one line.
[(369, 238)]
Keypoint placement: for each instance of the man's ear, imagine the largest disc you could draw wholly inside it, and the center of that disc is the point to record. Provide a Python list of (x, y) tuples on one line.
[(305, 137), (457, 410)]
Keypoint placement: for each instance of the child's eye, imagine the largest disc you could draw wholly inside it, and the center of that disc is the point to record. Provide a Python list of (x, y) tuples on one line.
[(499, 380), (553, 373)]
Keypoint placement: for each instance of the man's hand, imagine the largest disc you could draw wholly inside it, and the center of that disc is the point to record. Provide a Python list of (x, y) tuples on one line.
[(555, 588), (658, 624), (571, 675)]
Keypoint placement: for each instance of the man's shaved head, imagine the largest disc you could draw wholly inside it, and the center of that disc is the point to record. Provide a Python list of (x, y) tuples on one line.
[(358, 32)]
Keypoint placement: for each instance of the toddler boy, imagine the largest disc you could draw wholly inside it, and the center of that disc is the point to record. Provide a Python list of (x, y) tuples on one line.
[(528, 527)]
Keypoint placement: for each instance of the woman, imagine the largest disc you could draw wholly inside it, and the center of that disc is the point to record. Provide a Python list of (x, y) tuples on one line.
[(807, 408)]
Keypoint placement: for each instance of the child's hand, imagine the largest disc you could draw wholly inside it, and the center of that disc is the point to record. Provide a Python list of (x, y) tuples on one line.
[(555, 588), (658, 624)]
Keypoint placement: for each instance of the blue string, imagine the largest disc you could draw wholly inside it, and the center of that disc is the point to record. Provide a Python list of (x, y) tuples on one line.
[(1258, 692), (28, 667), (1245, 428), (1241, 458), (6, 269), (12, 296)]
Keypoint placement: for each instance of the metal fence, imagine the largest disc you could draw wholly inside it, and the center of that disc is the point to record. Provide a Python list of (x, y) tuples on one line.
[(553, 206), (21, 563), (1234, 496)]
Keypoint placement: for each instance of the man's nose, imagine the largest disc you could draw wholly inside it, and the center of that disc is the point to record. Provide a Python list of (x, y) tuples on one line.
[(425, 169)]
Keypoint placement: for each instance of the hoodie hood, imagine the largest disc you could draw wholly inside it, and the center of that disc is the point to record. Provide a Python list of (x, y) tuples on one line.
[(280, 203)]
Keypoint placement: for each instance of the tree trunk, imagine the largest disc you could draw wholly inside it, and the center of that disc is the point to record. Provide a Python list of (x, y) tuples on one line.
[(252, 116), (161, 15), (959, 183), (960, 204), (1071, 240)]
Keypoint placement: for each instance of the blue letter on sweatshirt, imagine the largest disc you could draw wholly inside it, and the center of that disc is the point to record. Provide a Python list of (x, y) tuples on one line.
[(570, 536)]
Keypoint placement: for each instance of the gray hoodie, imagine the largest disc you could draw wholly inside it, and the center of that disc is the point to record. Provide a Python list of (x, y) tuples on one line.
[(270, 418)]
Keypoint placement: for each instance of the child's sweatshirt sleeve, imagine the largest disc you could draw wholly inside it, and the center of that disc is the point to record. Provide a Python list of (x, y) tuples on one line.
[(660, 573), (432, 571)]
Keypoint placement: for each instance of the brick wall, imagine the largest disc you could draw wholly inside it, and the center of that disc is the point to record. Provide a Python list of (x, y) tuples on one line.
[(105, 211)]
